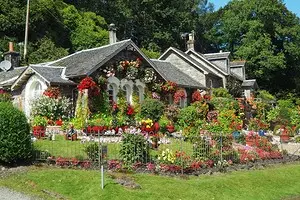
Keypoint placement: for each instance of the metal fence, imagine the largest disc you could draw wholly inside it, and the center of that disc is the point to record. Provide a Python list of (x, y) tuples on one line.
[(95, 147)]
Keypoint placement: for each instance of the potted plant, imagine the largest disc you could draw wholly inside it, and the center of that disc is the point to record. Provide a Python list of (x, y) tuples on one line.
[(39, 124), (284, 134)]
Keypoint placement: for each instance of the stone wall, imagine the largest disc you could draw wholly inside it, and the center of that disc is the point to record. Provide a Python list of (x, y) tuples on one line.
[(187, 68)]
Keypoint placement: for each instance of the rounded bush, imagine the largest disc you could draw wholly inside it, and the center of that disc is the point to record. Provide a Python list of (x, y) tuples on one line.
[(15, 139), (153, 109)]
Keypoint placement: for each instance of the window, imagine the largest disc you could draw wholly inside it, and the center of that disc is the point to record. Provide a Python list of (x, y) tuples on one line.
[(128, 93), (183, 101), (112, 93), (141, 93), (36, 90)]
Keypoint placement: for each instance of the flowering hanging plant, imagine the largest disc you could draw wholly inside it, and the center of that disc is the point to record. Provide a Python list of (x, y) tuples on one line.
[(52, 92), (130, 68), (88, 83), (179, 94), (169, 87), (125, 64), (196, 96)]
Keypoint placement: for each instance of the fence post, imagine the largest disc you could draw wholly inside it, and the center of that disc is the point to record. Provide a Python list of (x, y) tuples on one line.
[(221, 148), (181, 150)]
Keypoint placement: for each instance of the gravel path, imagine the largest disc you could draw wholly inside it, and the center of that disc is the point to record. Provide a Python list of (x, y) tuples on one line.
[(7, 194)]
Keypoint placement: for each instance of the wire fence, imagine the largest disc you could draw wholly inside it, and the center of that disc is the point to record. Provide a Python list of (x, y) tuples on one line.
[(96, 147)]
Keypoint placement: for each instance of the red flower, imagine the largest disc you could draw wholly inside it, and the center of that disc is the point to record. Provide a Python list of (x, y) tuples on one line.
[(196, 96), (88, 83), (179, 94), (52, 92), (130, 110)]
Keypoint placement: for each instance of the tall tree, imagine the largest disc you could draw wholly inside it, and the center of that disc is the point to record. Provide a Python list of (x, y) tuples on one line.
[(267, 35)]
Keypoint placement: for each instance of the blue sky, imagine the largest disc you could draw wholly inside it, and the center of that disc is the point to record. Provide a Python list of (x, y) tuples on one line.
[(292, 5)]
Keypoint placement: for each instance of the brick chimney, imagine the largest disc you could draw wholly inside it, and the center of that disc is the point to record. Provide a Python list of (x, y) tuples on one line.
[(12, 56), (112, 34)]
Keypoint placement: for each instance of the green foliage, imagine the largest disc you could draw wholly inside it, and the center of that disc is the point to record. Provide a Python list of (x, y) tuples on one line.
[(46, 51), (88, 28), (51, 108), (39, 121), (221, 103), (152, 109), (150, 53), (134, 148), (15, 140), (220, 92), (265, 96), (266, 35), (5, 97), (82, 110), (92, 151)]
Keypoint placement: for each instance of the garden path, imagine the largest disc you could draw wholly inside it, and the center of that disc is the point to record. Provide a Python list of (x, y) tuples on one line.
[(8, 194)]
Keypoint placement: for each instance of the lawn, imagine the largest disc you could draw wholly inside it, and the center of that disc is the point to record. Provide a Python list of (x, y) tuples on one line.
[(70, 149), (278, 182)]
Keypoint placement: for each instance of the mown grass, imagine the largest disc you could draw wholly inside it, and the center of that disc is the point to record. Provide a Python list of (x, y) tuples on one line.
[(278, 182), (69, 149)]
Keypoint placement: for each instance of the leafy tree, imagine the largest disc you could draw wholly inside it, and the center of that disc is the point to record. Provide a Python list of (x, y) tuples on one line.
[(45, 51), (265, 34)]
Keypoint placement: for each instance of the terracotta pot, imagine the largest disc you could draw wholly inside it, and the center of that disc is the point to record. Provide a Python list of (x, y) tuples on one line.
[(250, 142), (170, 128), (156, 127), (284, 138)]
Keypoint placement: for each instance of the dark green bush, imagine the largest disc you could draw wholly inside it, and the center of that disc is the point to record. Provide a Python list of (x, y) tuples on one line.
[(15, 139), (92, 151), (134, 148), (152, 108)]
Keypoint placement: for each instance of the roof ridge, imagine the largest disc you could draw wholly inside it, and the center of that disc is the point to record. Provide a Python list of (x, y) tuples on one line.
[(86, 50), (104, 46)]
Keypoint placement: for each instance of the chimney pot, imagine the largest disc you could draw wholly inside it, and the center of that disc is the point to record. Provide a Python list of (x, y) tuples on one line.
[(112, 33), (11, 47)]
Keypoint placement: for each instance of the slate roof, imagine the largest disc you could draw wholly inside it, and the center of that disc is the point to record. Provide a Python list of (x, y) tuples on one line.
[(201, 56), (52, 74), (237, 63), (8, 78), (83, 62), (216, 56), (191, 60), (171, 73), (249, 83)]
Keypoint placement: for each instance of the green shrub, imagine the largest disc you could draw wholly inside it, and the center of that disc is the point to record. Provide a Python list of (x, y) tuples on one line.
[(134, 148), (92, 151), (39, 121), (220, 92), (222, 103), (15, 140), (152, 108), (190, 114), (4, 96)]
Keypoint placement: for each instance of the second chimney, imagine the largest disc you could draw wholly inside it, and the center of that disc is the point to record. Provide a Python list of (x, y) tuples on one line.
[(12, 56), (112, 34), (191, 41)]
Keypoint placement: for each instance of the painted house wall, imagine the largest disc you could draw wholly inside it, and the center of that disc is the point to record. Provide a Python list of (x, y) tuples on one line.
[(222, 64), (186, 68), (217, 82), (239, 71)]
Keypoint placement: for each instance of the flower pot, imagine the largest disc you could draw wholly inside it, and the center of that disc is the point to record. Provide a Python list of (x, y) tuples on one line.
[(154, 144), (250, 142), (284, 138), (39, 131), (170, 128), (156, 127)]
